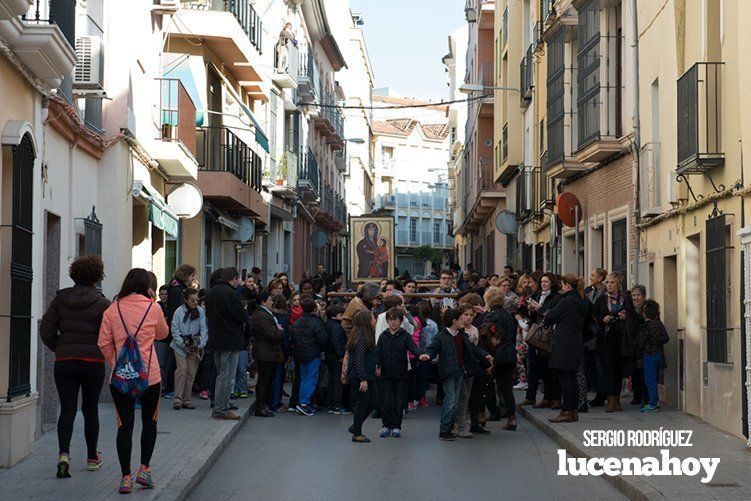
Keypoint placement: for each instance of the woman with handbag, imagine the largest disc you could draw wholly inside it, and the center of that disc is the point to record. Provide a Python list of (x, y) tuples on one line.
[(541, 301), (567, 317), (133, 316), (189, 336), (617, 342), (70, 329)]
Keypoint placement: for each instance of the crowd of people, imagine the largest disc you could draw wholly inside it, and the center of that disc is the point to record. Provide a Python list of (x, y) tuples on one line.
[(373, 352)]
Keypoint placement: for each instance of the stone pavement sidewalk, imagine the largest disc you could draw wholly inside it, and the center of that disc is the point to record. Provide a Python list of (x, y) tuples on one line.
[(732, 479), (188, 442)]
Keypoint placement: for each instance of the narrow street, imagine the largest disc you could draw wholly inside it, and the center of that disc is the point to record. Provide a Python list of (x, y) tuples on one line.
[(294, 457)]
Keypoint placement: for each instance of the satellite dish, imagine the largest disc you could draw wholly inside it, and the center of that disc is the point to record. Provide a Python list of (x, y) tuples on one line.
[(505, 222), (245, 231), (318, 239), (568, 209), (187, 200)]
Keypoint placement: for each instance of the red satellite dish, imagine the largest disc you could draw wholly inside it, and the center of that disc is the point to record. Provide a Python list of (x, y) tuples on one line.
[(567, 209)]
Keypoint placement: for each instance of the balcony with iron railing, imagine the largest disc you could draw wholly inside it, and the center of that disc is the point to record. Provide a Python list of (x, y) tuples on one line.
[(327, 200), (504, 28), (700, 147), (227, 167), (309, 176), (175, 149), (527, 199), (331, 121), (41, 33), (340, 158), (242, 10), (308, 78)]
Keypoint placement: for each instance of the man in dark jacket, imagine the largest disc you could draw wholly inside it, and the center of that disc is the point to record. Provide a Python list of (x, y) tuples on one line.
[(336, 346), (227, 319), (391, 356), (267, 336), (457, 356), (308, 341)]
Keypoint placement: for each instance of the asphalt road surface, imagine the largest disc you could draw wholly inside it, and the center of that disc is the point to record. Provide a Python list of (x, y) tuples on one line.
[(309, 458)]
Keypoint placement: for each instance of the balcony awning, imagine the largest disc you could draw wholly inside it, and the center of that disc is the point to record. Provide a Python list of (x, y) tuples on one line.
[(161, 214), (261, 137)]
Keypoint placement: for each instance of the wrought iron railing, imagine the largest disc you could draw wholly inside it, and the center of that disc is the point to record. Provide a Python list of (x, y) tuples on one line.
[(309, 175), (177, 115), (327, 199), (308, 77), (504, 39), (59, 12), (700, 118), (487, 79), (333, 113), (525, 192), (220, 150), (246, 15)]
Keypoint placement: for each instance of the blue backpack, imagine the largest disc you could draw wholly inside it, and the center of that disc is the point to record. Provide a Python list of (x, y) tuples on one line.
[(129, 376)]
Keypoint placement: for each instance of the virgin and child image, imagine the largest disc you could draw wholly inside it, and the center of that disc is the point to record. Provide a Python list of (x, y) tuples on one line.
[(373, 250)]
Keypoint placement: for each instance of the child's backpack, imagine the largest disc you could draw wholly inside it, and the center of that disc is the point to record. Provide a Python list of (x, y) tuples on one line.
[(129, 376)]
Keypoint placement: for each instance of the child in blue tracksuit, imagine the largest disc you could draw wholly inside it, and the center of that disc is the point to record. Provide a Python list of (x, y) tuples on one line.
[(652, 337)]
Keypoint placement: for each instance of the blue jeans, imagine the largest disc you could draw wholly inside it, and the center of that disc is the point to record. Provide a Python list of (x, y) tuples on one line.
[(452, 388), (241, 378), (308, 380), (226, 365), (651, 368)]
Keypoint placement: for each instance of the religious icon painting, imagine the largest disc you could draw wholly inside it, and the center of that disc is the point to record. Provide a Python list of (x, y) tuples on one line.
[(372, 249)]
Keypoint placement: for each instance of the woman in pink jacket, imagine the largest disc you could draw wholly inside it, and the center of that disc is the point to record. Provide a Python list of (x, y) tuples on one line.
[(134, 311)]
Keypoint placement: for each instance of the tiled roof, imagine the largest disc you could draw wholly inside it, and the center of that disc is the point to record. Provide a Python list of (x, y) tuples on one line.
[(380, 127), (435, 131), (405, 126), (403, 101)]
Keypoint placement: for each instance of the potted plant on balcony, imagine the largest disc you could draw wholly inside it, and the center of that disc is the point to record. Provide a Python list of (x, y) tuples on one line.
[(281, 169)]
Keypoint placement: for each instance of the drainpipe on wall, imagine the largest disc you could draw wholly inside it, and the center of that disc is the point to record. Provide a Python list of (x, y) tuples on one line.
[(636, 144)]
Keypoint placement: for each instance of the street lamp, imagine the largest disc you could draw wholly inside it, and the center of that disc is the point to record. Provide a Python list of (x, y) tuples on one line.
[(469, 88), (353, 140)]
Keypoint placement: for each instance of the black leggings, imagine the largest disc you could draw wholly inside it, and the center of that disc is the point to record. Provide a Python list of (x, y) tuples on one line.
[(125, 408), (504, 383), (365, 403), (70, 376)]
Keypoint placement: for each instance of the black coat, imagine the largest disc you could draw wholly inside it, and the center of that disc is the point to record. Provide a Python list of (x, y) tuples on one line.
[(336, 340), (568, 316), (76, 314), (448, 364), (267, 338), (174, 301), (226, 318), (308, 338), (622, 335), (501, 321), (391, 352)]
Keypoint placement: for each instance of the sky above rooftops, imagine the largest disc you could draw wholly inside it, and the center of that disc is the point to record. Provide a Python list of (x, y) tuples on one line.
[(406, 40)]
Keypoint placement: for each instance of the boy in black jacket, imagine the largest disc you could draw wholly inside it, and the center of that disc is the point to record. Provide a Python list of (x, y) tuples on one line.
[(309, 341), (391, 356), (336, 345), (457, 356)]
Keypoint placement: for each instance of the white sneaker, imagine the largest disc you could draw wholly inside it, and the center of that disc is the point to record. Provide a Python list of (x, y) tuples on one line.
[(521, 386)]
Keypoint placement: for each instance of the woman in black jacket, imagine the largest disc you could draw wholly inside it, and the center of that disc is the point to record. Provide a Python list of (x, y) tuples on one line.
[(70, 328), (501, 328), (182, 278), (540, 302), (268, 336), (617, 339), (568, 318)]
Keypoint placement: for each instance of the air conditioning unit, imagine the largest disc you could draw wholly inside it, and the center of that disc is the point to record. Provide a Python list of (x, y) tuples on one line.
[(165, 6), (88, 75)]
